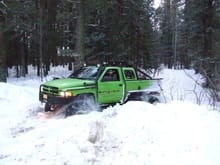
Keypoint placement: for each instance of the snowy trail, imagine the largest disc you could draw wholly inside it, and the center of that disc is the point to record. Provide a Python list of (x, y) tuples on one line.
[(184, 85), (177, 132)]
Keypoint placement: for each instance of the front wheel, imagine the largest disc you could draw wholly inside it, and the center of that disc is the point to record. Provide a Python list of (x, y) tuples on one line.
[(51, 107), (47, 107), (82, 104)]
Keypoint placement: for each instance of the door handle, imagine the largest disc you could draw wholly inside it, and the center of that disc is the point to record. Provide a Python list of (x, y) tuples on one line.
[(120, 85)]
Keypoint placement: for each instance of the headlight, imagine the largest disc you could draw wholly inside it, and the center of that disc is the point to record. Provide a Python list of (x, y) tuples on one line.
[(41, 88), (66, 94)]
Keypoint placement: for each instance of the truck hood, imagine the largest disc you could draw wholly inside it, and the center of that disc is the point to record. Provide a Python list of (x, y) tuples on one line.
[(69, 83)]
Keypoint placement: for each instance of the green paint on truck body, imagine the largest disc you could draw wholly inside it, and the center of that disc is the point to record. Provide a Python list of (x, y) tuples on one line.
[(107, 84)]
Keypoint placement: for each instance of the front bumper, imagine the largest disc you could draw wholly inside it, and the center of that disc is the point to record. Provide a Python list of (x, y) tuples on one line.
[(51, 99)]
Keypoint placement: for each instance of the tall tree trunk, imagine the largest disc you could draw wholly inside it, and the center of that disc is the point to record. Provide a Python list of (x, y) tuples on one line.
[(23, 56), (208, 28), (81, 32), (3, 69), (167, 36), (40, 26), (208, 21), (174, 9)]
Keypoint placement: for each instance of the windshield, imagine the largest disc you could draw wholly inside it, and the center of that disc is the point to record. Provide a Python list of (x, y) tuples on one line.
[(86, 73)]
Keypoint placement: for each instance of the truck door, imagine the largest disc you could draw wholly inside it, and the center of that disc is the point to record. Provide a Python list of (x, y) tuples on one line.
[(110, 86)]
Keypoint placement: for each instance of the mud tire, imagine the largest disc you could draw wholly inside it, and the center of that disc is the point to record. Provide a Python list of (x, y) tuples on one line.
[(80, 105), (47, 107)]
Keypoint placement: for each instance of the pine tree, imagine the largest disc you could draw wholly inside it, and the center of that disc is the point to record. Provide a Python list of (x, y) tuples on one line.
[(2, 56), (200, 39), (3, 19), (120, 30), (166, 34)]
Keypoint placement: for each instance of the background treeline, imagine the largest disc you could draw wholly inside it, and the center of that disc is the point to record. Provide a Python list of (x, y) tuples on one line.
[(180, 33)]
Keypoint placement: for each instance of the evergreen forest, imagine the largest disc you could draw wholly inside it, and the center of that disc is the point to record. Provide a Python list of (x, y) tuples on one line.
[(181, 34)]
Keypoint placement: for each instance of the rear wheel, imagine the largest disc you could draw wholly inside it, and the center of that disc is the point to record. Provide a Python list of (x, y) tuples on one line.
[(153, 100), (143, 96)]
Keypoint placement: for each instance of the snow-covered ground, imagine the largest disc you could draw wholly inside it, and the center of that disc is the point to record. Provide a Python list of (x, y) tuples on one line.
[(184, 130)]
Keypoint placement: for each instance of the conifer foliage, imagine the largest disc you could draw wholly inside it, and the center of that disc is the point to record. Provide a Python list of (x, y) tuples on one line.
[(178, 34)]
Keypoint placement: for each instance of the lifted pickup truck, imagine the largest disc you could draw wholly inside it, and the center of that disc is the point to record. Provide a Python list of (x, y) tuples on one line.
[(104, 84)]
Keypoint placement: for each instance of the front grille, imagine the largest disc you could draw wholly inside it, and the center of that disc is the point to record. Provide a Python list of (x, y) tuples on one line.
[(50, 90)]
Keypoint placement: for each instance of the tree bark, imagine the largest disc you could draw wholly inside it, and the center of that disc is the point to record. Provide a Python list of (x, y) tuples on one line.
[(3, 70), (81, 31)]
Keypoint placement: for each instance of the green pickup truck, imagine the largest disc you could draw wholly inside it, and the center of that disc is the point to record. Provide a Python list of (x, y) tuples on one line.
[(104, 84)]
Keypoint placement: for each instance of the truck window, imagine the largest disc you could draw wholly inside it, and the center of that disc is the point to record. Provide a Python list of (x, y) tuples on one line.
[(111, 75), (143, 76), (129, 74), (86, 73)]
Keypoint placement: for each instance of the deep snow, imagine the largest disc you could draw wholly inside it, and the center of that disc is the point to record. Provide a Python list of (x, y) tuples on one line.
[(176, 132)]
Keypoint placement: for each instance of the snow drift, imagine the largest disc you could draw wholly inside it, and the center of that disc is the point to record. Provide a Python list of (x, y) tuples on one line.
[(176, 132)]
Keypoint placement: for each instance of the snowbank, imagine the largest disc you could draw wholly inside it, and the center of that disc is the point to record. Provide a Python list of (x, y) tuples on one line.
[(177, 132)]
